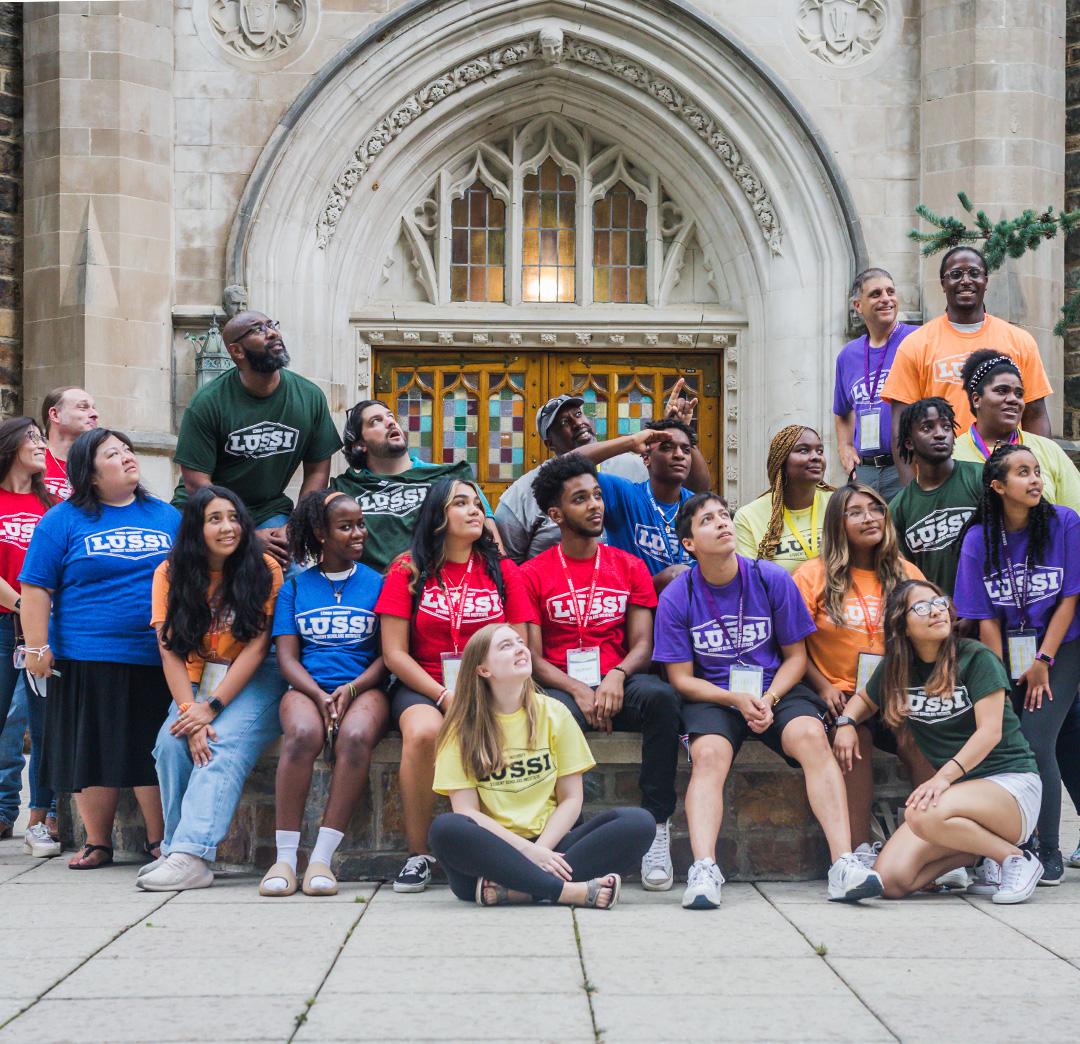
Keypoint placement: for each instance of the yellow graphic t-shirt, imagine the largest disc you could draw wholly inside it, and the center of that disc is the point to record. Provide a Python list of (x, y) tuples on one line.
[(522, 796), (752, 520)]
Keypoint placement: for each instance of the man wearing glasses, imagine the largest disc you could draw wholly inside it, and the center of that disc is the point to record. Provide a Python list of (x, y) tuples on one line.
[(250, 429), (928, 361)]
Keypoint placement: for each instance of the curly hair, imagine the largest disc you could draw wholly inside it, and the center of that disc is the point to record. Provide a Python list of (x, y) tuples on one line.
[(990, 514), (836, 555), (309, 518), (783, 442), (554, 474), (239, 601), (672, 424), (13, 434), (356, 455), (915, 413), (980, 366)]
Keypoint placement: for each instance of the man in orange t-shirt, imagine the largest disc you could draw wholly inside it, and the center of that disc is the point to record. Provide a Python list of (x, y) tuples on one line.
[(928, 361)]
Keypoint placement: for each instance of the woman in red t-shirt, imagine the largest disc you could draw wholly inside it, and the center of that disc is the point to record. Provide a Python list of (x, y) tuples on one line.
[(23, 500), (451, 582)]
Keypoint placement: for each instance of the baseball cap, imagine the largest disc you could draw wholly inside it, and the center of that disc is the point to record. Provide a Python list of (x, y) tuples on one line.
[(545, 416)]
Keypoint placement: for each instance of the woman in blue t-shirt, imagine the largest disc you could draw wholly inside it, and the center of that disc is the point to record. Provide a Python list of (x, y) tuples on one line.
[(90, 565), (327, 638)]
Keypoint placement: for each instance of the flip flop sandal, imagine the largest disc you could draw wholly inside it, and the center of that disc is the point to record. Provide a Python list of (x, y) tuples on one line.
[(318, 870), (148, 850), (502, 895), (597, 884), (284, 871), (89, 850)]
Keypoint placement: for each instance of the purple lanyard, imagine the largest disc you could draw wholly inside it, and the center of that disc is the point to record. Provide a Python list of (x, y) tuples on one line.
[(872, 387), (715, 609), (980, 444), (1019, 594)]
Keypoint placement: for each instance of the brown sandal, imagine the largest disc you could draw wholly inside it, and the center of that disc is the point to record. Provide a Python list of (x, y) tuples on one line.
[(502, 895), (89, 850), (597, 885)]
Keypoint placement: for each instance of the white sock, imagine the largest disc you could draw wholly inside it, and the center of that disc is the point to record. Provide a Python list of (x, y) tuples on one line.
[(288, 841), (326, 844)]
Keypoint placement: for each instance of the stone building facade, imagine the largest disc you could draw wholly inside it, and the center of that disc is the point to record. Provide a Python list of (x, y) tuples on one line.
[(452, 201)]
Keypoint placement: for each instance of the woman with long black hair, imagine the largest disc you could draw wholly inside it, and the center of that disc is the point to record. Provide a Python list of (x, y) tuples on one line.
[(213, 603), (1018, 577), (451, 582), (86, 586)]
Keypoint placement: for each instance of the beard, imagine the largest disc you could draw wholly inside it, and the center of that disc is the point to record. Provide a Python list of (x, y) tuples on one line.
[(267, 362), (584, 529)]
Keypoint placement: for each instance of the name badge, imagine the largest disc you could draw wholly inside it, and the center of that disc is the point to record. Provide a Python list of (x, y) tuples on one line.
[(1023, 645), (213, 675), (746, 678), (451, 667), (870, 429), (868, 663), (583, 665)]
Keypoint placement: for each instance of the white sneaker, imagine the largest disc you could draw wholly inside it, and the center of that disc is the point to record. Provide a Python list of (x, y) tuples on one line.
[(177, 873), (1019, 876), (38, 842), (703, 883), (954, 880), (987, 877), (657, 873), (850, 880), (867, 854), (149, 868)]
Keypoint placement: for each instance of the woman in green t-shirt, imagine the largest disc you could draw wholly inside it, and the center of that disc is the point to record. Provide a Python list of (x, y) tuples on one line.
[(511, 760), (984, 798)]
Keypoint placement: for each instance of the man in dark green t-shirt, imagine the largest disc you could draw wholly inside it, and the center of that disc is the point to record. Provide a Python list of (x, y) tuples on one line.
[(252, 427), (930, 513), (388, 483)]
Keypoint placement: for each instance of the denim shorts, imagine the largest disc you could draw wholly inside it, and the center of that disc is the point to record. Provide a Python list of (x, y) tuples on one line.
[(1026, 788)]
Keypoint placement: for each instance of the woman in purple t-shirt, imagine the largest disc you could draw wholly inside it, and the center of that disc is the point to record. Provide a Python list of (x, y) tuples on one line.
[(1018, 576)]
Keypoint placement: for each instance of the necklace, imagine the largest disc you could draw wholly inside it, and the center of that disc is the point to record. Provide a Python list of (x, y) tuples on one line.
[(339, 591)]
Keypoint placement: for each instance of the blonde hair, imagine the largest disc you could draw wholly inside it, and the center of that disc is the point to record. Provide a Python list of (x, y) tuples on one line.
[(783, 442), (471, 720)]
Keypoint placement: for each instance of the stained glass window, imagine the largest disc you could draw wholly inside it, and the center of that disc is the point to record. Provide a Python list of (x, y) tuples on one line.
[(461, 417), (619, 255), (415, 411), (596, 401), (477, 245), (634, 404), (548, 242), (506, 429)]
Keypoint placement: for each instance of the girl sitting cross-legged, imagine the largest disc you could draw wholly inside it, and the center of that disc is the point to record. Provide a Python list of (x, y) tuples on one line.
[(511, 759)]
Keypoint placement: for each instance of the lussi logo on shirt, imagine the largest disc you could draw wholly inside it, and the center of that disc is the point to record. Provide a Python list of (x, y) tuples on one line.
[(128, 542), (723, 639), (394, 499), (606, 605), (935, 709), (650, 541), (1041, 583), (479, 605), (17, 529), (937, 530), (266, 439), (336, 625), (521, 770), (947, 370)]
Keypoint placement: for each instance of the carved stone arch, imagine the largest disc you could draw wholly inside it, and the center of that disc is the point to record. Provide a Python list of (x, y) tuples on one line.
[(541, 133), (619, 172)]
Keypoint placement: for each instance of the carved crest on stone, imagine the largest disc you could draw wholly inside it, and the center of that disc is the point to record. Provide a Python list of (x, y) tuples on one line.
[(257, 29), (841, 32)]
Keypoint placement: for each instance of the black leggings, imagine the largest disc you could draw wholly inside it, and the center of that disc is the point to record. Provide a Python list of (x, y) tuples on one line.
[(610, 842)]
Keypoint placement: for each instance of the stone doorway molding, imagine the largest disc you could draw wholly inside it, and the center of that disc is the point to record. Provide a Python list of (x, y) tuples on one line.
[(322, 209)]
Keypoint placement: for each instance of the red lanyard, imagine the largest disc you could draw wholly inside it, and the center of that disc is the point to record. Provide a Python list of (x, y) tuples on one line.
[(871, 623), (456, 603), (581, 613)]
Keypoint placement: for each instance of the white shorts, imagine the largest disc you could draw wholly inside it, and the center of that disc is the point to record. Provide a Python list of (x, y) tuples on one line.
[(1026, 788)]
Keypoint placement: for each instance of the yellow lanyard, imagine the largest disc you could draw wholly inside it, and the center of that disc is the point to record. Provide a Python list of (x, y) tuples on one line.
[(811, 551)]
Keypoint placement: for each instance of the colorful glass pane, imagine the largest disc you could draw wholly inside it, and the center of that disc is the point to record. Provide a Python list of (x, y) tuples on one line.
[(549, 235), (461, 415), (415, 411), (506, 431), (619, 247), (595, 405), (635, 406), (477, 245)]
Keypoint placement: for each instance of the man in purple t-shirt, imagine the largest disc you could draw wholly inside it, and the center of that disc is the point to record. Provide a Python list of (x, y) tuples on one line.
[(863, 418), (731, 631)]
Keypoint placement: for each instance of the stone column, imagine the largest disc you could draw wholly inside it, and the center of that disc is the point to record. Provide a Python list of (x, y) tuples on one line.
[(10, 209), (98, 211), (993, 125)]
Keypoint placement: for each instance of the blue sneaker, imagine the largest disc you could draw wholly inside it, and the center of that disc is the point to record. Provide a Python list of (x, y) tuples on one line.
[(1074, 859)]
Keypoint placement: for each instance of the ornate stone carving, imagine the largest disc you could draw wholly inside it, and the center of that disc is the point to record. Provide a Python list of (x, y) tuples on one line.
[(652, 339), (732, 474), (514, 339), (731, 383), (841, 32), (481, 338), (257, 29), (617, 338), (552, 45), (720, 340), (686, 340), (234, 300), (548, 338), (582, 337), (732, 441), (375, 337), (411, 336), (446, 337)]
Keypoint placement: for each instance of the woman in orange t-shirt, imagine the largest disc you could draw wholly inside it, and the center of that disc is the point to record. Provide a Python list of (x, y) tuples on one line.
[(213, 604), (845, 591)]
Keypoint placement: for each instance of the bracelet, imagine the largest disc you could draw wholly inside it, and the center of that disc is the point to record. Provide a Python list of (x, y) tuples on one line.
[(352, 691), (29, 649), (622, 670), (442, 696), (963, 771)]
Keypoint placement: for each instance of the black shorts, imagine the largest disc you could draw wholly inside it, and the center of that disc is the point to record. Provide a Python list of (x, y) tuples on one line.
[(401, 699), (710, 719)]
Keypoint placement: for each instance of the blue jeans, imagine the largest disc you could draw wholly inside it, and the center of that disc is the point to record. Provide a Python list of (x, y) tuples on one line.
[(272, 523), (199, 802), (11, 756)]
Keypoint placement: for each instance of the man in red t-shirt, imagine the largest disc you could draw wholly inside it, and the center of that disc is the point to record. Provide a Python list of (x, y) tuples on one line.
[(592, 648), (65, 414)]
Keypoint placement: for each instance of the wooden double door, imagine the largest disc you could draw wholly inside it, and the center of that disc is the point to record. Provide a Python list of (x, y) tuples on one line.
[(481, 406)]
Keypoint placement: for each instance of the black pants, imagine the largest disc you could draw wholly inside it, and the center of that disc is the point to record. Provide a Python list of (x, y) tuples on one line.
[(611, 842), (1068, 753), (651, 707)]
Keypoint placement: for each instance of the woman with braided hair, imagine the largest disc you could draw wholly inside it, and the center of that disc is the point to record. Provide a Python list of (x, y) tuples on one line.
[(1018, 578), (995, 391), (784, 524)]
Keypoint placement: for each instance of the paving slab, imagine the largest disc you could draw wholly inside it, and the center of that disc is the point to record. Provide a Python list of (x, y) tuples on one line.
[(471, 936), (244, 888), (471, 975)]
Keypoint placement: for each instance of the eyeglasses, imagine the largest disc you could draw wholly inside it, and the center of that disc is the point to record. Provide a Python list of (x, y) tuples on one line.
[(925, 608), (35, 437), (954, 275), (263, 328), (861, 514)]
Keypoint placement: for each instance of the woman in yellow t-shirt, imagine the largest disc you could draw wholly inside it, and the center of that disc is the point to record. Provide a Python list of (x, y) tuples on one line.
[(845, 591), (784, 525), (995, 390), (511, 760)]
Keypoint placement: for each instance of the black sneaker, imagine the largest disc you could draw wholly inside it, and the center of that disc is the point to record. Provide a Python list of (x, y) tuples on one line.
[(1053, 867), (415, 875)]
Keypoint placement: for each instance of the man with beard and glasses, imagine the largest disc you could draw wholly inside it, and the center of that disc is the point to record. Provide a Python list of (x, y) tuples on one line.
[(388, 482), (250, 429)]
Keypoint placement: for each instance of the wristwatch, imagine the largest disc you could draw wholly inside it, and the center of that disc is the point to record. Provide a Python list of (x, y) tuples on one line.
[(843, 719), (772, 698), (1048, 660), (18, 604), (215, 705)]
